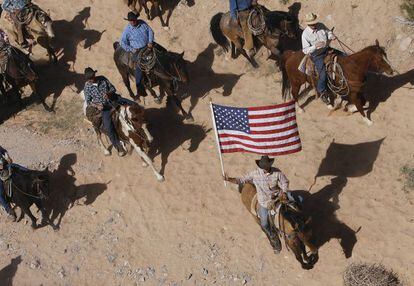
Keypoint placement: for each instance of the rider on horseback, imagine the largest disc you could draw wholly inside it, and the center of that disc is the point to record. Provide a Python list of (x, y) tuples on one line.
[(239, 11), (99, 93), (13, 8), (136, 36), (5, 166), (270, 184), (315, 42)]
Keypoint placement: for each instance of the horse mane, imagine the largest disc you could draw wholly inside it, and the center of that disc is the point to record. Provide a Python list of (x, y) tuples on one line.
[(372, 49)]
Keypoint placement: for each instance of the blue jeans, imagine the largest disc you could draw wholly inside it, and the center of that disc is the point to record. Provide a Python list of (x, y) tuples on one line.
[(264, 220), (320, 67), (138, 76), (109, 127)]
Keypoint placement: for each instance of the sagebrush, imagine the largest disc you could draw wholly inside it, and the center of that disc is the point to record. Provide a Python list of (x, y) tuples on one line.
[(408, 8), (366, 274)]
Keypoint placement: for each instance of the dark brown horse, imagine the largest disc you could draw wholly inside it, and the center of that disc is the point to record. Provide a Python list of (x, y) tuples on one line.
[(355, 69), (28, 188), (228, 33), (296, 237), (20, 72), (169, 72), (159, 7)]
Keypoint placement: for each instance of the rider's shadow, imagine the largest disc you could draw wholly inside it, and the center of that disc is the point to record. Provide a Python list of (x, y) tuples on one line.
[(325, 225), (64, 193), (170, 133), (204, 78), (71, 34)]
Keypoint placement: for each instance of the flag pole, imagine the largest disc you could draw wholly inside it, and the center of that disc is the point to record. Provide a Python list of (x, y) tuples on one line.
[(218, 142)]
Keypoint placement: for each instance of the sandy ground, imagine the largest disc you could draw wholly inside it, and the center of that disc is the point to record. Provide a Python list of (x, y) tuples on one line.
[(127, 229)]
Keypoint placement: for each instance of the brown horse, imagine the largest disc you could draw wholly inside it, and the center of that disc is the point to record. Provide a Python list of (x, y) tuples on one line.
[(20, 72), (37, 28), (169, 71), (131, 126), (355, 69), (158, 6), (296, 237), (227, 32)]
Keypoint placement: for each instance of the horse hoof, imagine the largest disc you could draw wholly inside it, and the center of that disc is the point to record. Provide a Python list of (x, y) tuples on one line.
[(189, 119), (352, 108), (330, 106), (107, 153), (166, 28), (160, 178), (144, 164), (368, 122)]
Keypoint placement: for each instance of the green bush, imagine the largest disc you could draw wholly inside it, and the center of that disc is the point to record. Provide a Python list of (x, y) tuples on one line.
[(408, 173), (408, 8)]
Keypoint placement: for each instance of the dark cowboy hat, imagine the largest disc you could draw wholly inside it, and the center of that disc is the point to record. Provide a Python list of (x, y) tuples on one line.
[(265, 162), (132, 16), (90, 72)]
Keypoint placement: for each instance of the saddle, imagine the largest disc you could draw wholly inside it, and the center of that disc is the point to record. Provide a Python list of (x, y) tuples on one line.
[(337, 82)]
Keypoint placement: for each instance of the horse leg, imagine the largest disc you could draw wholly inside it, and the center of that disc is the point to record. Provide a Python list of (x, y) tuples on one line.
[(358, 104), (147, 11), (295, 94), (125, 79), (146, 159), (251, 60), (100, 142), (298, 248), (233, 50), (26, 210)]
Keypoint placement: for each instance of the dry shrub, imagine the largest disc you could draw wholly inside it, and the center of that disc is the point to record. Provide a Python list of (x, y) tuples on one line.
[(408, 173), (408, 7), (364, 274)]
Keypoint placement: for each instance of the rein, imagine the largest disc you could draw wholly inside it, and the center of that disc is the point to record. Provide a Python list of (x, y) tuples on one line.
[(23, 192)]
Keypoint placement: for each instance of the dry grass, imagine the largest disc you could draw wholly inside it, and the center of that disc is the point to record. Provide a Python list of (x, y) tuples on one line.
[(408, 8), (408, 173), (364, 274)]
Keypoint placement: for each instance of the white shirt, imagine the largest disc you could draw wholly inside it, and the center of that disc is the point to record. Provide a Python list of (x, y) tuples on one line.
[(311, 37)]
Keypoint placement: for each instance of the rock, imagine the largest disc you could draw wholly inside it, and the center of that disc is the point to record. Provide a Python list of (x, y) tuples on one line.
[(329, 17), (141, 279), (35, 264), (189, 276), (61, 273), (405, 43), (3, 245), (205, 272), (111, 258), (150, 271)]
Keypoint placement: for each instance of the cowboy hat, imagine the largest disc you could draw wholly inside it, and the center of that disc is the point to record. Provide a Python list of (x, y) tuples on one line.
[(265, 162), (311, 19), (90, 72), (132, 16)]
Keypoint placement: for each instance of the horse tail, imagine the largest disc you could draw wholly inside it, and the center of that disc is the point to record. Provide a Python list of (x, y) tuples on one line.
[(285, 79), (217, 33)]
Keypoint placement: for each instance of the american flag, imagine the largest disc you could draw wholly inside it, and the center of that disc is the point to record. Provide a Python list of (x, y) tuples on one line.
[(268, 130)]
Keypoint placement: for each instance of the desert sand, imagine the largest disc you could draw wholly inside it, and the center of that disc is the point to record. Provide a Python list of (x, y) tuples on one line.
[(125, 228)]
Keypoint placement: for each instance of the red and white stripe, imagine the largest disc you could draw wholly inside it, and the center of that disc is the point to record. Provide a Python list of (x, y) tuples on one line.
[(273, 131)]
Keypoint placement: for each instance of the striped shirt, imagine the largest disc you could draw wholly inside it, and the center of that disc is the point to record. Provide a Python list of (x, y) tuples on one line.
[(311, 37), (266, 185), (12, 5), (134, 38), (95, 92)]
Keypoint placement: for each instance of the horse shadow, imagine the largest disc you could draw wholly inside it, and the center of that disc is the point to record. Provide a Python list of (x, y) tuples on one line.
[(7, 273), (325, 225), (170, 132), (204, 79), (75, 31), (65, 193), (342, 161), (379, 88)]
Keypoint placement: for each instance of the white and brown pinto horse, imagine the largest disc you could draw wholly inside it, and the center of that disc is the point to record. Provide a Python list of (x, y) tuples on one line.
[(131, 127)]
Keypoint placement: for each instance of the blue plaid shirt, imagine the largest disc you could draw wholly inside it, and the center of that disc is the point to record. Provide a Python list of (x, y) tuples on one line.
[(95, 92), (239, 5), (12, 5), (136, 37)]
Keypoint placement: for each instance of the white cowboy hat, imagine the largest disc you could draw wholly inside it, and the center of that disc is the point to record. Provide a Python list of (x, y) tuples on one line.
[(311, 19)]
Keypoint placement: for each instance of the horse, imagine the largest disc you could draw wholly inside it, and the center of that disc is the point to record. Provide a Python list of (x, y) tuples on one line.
[(37, 28), (158, 6), (296, 232), (30, 187), (227, 32), (20, 71), (131, 126), (355, 69), (169, 70)]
